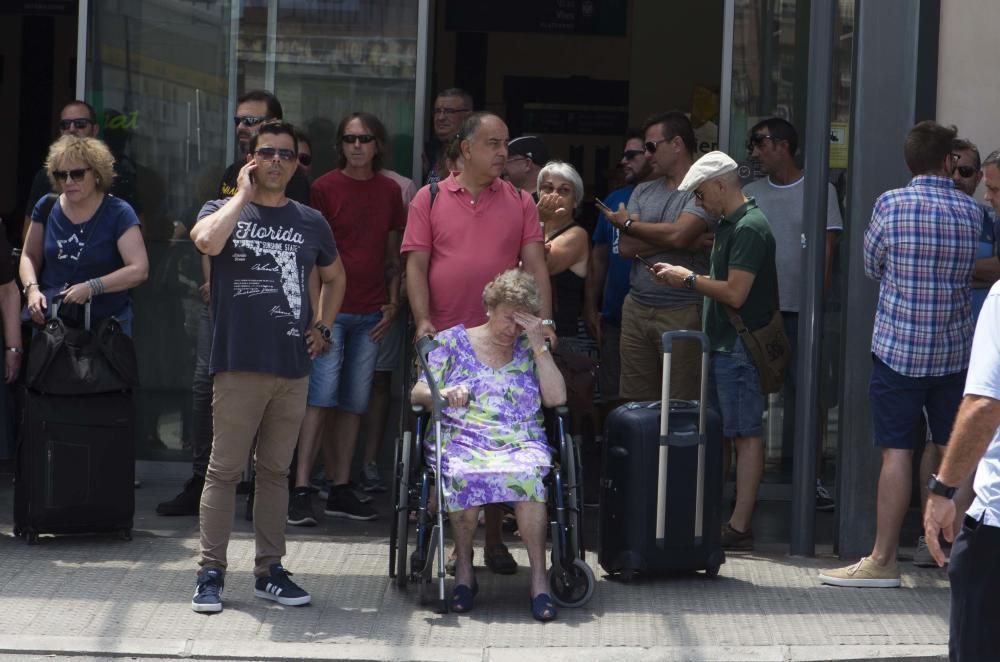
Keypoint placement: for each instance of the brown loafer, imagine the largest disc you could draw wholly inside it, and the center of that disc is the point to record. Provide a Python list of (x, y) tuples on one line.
[(499, 559)]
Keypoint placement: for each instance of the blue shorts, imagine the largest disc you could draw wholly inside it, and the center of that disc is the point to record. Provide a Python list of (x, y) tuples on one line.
[(898, 402), (734, 390), (342, 377)]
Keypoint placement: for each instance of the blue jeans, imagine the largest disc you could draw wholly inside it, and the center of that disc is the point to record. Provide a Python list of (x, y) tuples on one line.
[(734, 389), (343, 376)]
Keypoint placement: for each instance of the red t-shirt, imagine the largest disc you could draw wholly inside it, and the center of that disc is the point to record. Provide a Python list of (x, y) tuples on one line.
[(470, 242), (361, 214)]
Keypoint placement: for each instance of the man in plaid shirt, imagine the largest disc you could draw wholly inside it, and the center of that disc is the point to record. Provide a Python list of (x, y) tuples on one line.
[(921, 247)]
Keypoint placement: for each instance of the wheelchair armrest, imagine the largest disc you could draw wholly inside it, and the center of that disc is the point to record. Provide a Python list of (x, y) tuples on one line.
[(417, 409)]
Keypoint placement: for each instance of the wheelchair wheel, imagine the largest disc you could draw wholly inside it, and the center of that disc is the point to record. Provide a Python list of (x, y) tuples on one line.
[(573, 586), (402, 521)]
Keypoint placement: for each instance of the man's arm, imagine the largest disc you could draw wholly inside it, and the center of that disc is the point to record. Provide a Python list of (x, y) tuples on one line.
[(985, 272), (392, 277), (976, 424), (732, 292), (10, 310), (593, 287), (333, 282), (533, 261), (418, 291), (211, 233), (874, 245)]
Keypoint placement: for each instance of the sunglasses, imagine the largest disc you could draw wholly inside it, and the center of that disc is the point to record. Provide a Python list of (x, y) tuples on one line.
[(363, 138), (966, 171), (75, 175), (630, 154), (698, 194), (305, 159), (757, 140), (79, 123), (247, 120), (449, 111), (268, 153), (653, 144)]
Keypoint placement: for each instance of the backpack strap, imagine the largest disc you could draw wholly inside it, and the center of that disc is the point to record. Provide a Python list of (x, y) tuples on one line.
[(48, 205), (434, 194)]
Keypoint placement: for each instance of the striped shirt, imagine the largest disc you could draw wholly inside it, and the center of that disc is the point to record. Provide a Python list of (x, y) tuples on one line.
[(921, 246)]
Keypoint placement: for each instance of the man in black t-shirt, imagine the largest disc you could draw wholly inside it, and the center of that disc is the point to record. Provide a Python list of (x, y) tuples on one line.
[(263, 248)]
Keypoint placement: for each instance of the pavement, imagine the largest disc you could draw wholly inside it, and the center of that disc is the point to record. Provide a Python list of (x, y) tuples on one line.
[(99, 597)]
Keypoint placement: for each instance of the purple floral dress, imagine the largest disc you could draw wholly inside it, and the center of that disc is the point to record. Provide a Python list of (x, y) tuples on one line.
[(493, 450)]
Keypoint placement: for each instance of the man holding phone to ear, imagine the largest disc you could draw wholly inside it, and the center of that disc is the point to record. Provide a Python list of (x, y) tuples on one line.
[(662, 224)]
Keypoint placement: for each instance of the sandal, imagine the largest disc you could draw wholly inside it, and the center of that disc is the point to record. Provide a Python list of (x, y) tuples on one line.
[(542, 608), (462, 597), (499, 560)]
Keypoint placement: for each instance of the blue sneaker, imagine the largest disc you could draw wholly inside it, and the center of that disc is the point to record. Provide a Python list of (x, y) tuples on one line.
[(208, 592), (278, 587)]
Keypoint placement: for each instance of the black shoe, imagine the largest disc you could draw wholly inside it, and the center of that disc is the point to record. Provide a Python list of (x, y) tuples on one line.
[(300, 510), (343, 502), (370, 479), (824, 500), (185, 503)]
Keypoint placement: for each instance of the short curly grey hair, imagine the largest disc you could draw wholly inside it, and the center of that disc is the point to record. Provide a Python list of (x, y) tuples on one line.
[(90, 151), (514, 287)]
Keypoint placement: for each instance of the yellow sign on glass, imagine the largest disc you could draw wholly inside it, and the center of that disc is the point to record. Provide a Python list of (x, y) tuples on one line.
[(838, 145)]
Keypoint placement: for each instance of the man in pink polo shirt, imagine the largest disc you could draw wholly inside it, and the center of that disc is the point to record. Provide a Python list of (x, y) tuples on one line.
[(478, 227)]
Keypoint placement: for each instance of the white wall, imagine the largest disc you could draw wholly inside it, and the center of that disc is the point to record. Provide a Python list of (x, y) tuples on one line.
[(968, 96)]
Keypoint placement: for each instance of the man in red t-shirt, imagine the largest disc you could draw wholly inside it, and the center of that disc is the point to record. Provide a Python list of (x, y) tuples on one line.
[(365, 210), (481, 226)]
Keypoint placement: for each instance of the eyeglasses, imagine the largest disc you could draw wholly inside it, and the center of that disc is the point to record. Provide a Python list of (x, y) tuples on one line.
[(653, 144), (248, 120), (698, 194), (78, 122), (449, 111), (76, 175), (363, 138), (757, 139), (630, 154), (268, 153), (305, 159)]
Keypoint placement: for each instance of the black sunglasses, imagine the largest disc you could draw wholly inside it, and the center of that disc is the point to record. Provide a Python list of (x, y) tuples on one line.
[(247, 120), (630, 154), (305, 159), (966, 171), (757, 139), (653, 144), (79, 122), (698, 194), (77, 174), (268, 153), (350, 139)]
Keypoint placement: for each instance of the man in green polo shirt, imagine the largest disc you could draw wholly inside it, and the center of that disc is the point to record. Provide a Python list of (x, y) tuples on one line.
[(743, 275)]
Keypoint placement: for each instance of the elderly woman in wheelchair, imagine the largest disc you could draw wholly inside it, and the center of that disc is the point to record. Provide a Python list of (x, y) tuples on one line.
[(493, 380)]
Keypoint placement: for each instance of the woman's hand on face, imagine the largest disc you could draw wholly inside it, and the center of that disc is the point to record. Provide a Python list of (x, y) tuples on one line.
[(37, 305), (533, 328), (78, 293), (456, 396), (550, 207)]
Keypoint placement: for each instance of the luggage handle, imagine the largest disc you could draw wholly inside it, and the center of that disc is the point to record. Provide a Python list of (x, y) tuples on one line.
[(57, 301), (667, 340)]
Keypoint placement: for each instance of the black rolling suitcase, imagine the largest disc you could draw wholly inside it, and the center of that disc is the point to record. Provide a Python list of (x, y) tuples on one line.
[(661, 485), (75, 470)]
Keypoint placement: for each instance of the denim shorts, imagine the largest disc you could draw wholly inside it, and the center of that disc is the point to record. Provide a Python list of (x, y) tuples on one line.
[(734, 390), (898, 402), (342, 377)]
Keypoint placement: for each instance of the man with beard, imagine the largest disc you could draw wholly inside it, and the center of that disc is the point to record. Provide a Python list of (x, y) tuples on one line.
[(608, 275)]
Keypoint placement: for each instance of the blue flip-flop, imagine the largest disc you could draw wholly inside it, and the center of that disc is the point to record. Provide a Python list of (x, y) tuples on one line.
[(462, 597), (543, 608)]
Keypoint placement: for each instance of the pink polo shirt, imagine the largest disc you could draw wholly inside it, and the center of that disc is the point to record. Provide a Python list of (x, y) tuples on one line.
[(470, 243)]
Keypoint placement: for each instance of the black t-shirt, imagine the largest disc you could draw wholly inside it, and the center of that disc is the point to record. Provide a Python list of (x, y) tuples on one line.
[(260, 300), (297, 188)]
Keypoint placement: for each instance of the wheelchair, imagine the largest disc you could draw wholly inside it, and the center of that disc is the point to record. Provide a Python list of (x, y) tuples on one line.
[(412, 559)]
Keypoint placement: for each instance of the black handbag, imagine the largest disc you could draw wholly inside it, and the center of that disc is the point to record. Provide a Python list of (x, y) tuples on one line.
[(64, 360)]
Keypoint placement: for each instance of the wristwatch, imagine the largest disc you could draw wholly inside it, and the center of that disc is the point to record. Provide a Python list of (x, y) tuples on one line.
[(15, 350), (627, 224), (689, 280), (551, 323), (935, 486), (324, 331)]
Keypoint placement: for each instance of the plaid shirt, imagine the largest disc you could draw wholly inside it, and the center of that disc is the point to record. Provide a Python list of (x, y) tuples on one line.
[(921, 245)]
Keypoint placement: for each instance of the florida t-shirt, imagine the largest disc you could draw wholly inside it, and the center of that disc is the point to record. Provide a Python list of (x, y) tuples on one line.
[(260, 304)]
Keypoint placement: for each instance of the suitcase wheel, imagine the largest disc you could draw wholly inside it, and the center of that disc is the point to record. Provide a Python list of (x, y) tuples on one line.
[(712, 571), (31, 537), (17, 531)]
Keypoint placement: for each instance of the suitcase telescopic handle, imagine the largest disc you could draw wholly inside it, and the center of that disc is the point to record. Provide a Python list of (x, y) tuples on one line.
[(58, 300)]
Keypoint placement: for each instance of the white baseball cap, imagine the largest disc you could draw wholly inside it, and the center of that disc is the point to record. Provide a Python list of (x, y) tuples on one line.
[(710, 166)]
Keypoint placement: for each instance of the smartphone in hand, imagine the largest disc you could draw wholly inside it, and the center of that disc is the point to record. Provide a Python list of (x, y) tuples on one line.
[(601, 205), (649, 265)]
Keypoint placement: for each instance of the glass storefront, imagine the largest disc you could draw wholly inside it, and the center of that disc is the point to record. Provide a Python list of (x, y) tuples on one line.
[(770, 52), (165, 75)]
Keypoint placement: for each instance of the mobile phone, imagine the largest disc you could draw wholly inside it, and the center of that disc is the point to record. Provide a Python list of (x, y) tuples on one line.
[(253, 178), (600, 203), (649, 265)]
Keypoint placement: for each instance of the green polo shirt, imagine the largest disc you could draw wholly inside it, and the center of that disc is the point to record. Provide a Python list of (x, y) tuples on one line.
[(743, 240)]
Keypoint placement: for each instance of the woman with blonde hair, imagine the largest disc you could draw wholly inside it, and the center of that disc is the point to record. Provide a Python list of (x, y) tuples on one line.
[(86, 245)]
